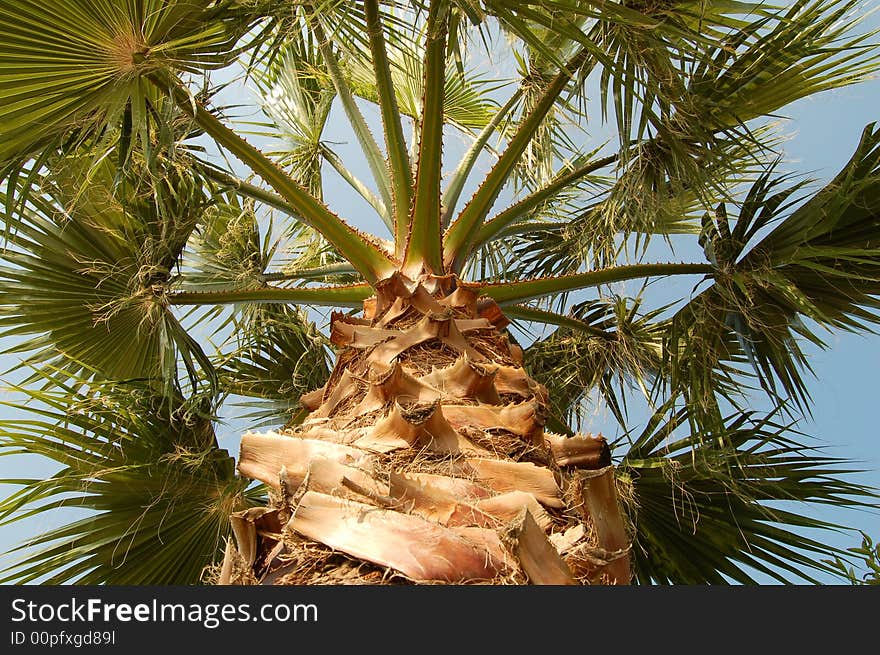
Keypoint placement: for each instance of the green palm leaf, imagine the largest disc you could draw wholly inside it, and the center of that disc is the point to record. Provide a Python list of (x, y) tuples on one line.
[(467, 103), (767, 65), (616, 347), (297, 96), (711, 511), (282, 357), (88, 270), (76, 65), (226, 251), (145, 473), (817, 266)]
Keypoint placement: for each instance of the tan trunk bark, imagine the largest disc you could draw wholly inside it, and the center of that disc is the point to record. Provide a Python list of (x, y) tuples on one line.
[(424, 459)]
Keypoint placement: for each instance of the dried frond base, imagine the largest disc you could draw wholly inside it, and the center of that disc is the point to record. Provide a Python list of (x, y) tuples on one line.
[(424, 460)]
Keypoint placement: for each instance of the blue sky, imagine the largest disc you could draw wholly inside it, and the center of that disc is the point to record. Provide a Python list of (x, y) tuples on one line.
[(824, 131)]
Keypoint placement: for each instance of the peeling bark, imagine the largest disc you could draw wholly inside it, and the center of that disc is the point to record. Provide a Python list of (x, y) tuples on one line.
[(602, 509), (508, 506), (581, 451), (330, 477), (460, 488), (424, 459), (227, 569), (419, 549), (465, 379), (263, 455), (539, 559), (503, 476), (438, 505)]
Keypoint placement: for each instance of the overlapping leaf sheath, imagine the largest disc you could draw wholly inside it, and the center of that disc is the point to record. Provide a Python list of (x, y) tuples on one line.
[(424, 459)]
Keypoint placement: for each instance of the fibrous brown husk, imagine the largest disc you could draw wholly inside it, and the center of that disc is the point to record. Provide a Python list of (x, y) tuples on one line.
[(424, 459)]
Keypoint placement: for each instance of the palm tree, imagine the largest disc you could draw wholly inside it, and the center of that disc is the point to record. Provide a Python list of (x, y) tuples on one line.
[(143, 226)]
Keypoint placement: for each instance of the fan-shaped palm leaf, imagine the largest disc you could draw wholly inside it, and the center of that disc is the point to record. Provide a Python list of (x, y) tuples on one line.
[(817, 265), (297, 96), (616, 347), (705, 511), (88, 269), (283, 357), (76, 65), (154, 488), (466, 104)]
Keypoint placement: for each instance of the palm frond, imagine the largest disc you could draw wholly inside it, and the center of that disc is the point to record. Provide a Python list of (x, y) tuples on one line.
[(818, 266), (463, 232), (399, 164), (716, 510), (72, 67), (226, 250), (297, 95), (467, 101), (618, 348), (869, 555), (562, 127), (424, 246), (768, 64), (279, 356), (89, 262), (144, 472)]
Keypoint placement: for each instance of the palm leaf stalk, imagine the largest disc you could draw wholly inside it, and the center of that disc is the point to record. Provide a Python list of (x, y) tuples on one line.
[(434, 448)]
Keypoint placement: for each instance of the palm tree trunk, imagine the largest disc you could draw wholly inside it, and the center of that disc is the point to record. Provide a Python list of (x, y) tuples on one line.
[(424, 459)]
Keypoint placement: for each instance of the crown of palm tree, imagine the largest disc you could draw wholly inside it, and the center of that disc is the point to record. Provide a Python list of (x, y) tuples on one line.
[(143, 226)]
